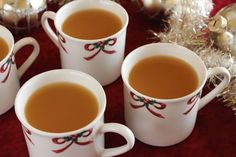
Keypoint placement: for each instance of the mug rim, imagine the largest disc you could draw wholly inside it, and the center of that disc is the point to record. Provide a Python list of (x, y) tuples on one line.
[(21, 116), (124, 26), (10, 45), (126, 83)]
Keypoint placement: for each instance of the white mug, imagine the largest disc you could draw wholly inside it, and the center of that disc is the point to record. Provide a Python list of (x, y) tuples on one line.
[(101, 58), (84, 142), (165, 122), (9, 74)]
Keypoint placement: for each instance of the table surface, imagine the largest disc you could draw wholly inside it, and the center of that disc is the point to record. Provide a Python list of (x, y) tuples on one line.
[(214, 134)]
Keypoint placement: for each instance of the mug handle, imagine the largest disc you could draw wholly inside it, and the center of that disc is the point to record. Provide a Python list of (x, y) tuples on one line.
[(21, 43), (123, 131), (219, 88), (47, 28)]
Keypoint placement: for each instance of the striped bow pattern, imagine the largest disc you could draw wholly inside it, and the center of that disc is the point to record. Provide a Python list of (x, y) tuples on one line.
[(72, 139), (151, 105)]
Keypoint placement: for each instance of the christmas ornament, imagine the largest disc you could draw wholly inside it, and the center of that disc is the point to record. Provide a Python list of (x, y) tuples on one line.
[(223, 29), (156, 9), (21, 16), (213, 39)]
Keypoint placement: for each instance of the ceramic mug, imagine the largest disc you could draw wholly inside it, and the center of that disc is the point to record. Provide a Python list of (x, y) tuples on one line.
[(165, 122), (84, 142), (9, 74), (101, 58)]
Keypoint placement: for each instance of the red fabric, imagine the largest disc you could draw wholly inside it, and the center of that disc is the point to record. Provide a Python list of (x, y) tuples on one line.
[(213, 136)]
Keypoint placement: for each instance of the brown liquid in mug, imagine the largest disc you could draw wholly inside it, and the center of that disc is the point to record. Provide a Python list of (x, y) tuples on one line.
[(61, 107), (3, 49), (91, 24), (163, 77)]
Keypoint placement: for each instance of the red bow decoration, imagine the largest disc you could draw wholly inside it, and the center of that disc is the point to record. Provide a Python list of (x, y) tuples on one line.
[(61, 41), (148, 103), (100, 46), (192, 101), (7, 66), (72, 139), (27, 133)]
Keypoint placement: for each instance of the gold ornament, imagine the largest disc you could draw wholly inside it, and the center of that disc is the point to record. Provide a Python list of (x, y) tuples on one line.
[(21, 16), (222, 28)]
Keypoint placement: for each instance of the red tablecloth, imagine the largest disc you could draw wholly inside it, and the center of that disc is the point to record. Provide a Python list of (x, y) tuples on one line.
[(214, 134)]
